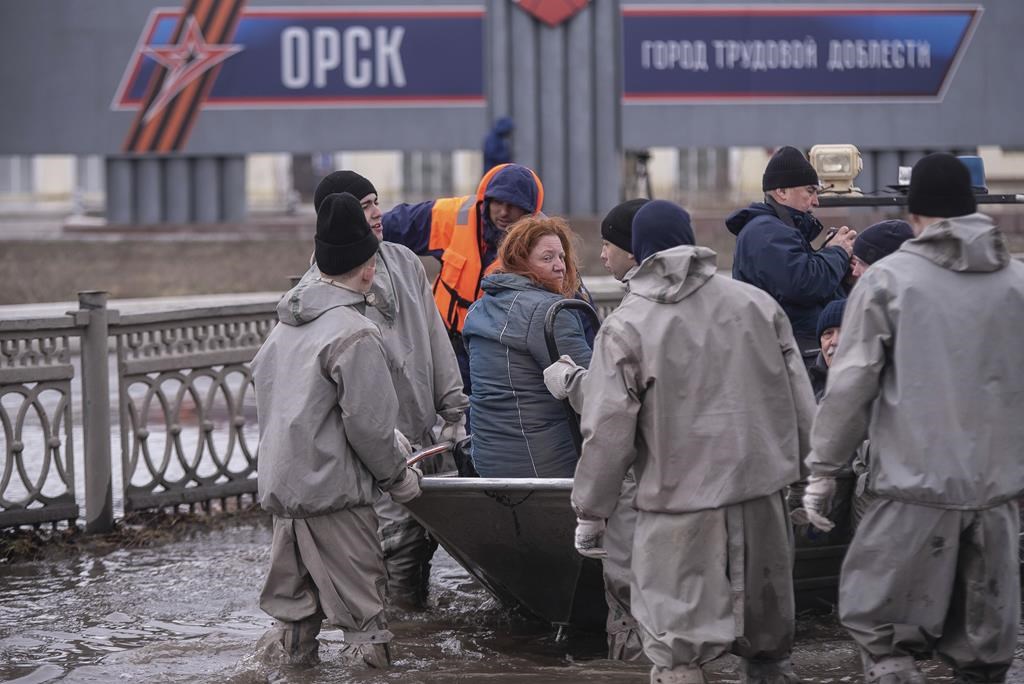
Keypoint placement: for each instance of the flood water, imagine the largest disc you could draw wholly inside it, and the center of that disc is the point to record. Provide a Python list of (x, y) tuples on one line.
[(187, 611)]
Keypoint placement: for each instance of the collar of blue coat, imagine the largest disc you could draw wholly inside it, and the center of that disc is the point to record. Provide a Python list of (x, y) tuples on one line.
[(496, 282)]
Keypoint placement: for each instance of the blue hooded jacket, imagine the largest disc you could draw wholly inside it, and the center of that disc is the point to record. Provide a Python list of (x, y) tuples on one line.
[(776, 256), (519, 429)]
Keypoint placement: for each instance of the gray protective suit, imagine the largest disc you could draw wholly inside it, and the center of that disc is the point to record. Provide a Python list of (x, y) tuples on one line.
[(624, 642), (426, 378), (327, 447), (697, 383), (930, 368)]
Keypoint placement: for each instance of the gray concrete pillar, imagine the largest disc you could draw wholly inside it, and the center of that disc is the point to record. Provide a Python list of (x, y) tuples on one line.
[(206, 189), (497, 61), (177, 190), (608, 103), (120, 190), (524, 83), (553, 146), (149, 199), (99, 507), (233, 197), (580, 105)]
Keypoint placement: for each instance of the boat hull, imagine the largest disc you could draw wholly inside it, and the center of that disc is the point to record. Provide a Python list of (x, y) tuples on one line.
[(515, 536)]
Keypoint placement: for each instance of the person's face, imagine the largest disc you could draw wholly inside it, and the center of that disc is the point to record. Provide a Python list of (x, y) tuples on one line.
[(371, 209), (801, 198), (616, 260), (829, 341), (503, 214), (547, 260), (858, 266)]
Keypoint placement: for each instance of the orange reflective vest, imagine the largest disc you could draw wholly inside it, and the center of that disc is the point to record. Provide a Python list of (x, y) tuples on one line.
[(455, 228)]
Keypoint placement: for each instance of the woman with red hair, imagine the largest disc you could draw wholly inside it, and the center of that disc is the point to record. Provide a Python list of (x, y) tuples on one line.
[(519, 429)]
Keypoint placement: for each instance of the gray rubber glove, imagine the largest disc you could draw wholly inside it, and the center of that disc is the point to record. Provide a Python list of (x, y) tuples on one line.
[(817, 503), (453, 432), (408, 488), (558, 375), (590, 538)]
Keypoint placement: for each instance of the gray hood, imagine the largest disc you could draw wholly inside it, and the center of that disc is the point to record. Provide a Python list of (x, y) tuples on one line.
[(969, 243), (312, 298), (673, 274)]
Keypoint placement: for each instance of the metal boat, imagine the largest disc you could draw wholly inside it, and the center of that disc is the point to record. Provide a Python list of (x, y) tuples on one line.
[(515, 536)]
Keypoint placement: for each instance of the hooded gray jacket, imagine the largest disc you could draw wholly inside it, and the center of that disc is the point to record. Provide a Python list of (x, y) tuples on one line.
[(930, 359), (423, 367), (697, 379), (325, 405)]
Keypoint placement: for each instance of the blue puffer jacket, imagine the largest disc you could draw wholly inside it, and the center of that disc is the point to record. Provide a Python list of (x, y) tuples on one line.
[(778, 258), (519, 429)]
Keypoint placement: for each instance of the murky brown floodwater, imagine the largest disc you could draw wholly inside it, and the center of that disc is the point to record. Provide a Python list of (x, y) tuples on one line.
[(187, 611)]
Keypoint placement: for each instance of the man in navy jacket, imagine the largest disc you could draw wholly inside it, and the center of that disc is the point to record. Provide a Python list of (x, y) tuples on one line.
[(773, 246)]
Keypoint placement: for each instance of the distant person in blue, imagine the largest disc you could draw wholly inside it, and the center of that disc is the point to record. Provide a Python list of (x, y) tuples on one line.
[(497, 149), (773, 246), (519, 429)]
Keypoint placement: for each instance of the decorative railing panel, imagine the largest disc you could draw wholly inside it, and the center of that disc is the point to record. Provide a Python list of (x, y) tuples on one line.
[(37, 480), (188, 414), (184, 395)]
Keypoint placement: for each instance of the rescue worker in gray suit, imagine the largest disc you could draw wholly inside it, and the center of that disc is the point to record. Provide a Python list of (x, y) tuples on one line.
[(697, 383), (328, 445), (929, 368), (426, 377), (564, 379)]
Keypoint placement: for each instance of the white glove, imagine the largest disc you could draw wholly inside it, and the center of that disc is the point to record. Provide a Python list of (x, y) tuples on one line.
[(558, 375), (408, 488), (453, 432), (402, 445), (590, 538), (817, 503)]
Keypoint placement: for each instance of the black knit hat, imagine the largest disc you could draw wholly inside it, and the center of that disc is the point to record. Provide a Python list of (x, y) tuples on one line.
[(342, 181), (831, 316), (940, 185), (881, 239), (617, 226), (788, 168), (343, 237)]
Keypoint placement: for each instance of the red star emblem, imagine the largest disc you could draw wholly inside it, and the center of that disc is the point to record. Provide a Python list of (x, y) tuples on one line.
[(553, 12), (185, 62)]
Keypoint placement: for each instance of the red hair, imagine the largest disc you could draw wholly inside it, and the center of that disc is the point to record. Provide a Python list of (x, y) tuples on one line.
[(522, 237)]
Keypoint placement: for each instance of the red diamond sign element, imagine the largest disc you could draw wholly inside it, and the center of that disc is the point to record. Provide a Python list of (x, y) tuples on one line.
[(553, 12)]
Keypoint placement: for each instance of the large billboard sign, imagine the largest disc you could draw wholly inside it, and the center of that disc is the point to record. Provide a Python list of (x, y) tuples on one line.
[(295, 57), (696, 54)]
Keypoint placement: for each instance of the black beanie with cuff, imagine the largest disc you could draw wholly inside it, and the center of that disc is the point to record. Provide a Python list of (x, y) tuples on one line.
[(344, 240)]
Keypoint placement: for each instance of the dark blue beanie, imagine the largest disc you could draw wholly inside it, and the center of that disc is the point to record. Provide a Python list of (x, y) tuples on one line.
[(881, 240), (660, 225), (831, 316)]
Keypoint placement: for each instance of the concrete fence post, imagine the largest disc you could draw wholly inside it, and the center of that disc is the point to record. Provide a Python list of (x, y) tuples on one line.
[(99, 507)]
